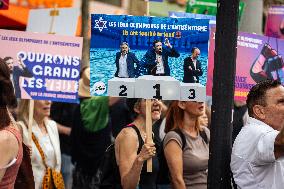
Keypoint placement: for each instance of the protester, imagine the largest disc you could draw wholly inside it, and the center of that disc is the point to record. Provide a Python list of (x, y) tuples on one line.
[(240, 117), (257, 155), (11, 151), (188, 163), (205, 119), (90, 134), (45, 143), (61, 112), (132, 148), (120, 115)]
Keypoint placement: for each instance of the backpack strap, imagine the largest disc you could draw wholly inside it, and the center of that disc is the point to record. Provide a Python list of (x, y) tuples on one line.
[(140, 140), (183, 140), (204, 136)]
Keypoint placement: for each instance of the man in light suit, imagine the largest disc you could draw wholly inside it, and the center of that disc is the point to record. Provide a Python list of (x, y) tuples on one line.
[(125, 62), (192, 67)]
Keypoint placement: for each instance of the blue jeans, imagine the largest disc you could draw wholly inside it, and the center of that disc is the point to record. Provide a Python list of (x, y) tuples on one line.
[(67, 170)]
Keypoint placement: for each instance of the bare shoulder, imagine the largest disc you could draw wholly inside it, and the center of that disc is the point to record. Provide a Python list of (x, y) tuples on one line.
[(127, 133), (7, 141), (6, 137)]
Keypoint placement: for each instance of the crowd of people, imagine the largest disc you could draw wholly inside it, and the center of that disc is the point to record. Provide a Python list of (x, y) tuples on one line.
[(68, 141)]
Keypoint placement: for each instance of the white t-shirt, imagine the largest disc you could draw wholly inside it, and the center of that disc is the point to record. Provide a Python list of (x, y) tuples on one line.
[(123, 66), (253, 162), (160, 64)]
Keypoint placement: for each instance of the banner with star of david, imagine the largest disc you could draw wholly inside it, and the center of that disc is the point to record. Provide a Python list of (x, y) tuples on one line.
[(176, 37)]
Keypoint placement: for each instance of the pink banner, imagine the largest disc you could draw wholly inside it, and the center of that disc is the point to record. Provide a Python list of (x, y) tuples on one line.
[(275, 22), (258, 58), (42, 66)]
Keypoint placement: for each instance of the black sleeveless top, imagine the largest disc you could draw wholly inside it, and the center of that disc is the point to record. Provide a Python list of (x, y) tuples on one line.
[(147, 180)]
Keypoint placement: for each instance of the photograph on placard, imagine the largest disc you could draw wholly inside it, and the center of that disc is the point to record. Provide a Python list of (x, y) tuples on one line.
[(134, 46), (275, 22), (42, 66), (258, 58), (60, 21)]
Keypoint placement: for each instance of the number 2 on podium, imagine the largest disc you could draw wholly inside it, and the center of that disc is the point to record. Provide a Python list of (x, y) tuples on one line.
[(123, 91)]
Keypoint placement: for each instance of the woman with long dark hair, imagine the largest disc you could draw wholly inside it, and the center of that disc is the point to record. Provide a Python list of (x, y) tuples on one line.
[(11, 151)]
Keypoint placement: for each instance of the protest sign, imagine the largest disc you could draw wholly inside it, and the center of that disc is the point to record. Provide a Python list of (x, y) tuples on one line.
[(4, 4), (113, 36), (212, 19), (208, 7), (163, 8), (60, 21), (258, 58), (43, 67), (275, 22)]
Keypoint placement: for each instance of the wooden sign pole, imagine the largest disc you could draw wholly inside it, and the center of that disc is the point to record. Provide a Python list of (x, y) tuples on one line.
[(53, 13), (147, 8), (148, 112), (30, 123), (149, 130)]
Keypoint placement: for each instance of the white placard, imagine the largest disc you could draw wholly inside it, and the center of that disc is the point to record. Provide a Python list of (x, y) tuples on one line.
[(121, 87), (160, 87), (65, 23), (192, 92)]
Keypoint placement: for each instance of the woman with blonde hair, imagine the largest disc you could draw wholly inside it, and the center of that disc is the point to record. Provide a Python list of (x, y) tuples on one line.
[(45, 141), (11, 151), (188, 161)]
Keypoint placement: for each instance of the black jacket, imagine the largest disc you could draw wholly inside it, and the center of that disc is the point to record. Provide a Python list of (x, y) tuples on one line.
[(131, 59), (150, 60), (189, 74)]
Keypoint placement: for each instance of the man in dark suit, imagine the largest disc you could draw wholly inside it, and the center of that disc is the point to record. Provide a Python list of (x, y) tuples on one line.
[(20, 70), (124, 62), (156, 59), (192, 67)]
